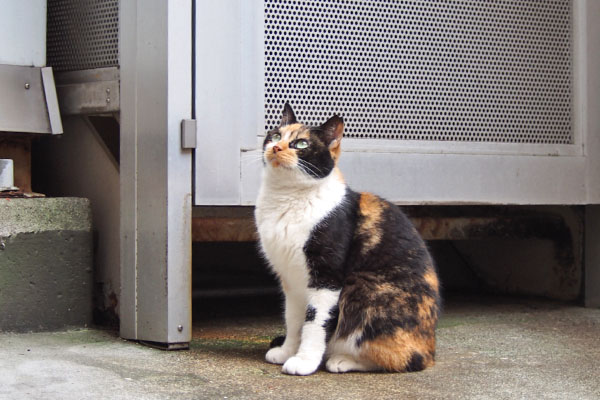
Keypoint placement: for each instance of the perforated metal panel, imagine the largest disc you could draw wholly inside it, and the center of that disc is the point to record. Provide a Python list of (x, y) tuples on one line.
[(430, 70), (82, 34)]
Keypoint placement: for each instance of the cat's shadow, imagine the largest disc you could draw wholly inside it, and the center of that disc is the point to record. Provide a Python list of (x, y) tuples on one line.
[(231, 349), (251, 353)]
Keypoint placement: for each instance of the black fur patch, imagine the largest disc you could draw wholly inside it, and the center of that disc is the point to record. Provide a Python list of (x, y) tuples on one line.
[(329, 245), (331, 323), (311, 312), (317, 157), (416, 363), (386, 326), (277, 342)]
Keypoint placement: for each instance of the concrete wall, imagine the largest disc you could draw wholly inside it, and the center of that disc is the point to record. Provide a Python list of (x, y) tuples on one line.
[(78, 163), (45, 264)]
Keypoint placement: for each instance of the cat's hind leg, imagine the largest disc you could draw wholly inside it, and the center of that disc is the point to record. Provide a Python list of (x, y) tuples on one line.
[(344, 356), (339, 363)]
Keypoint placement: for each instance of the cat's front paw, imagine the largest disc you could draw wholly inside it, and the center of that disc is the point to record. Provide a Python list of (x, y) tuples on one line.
[(300, 366), (278, 355)]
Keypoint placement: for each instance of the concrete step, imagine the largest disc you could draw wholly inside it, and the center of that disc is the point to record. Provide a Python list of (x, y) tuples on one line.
[(46, 274)]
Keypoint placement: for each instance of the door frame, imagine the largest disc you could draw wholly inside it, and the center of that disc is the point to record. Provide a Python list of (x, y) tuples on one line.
[(156, 173)]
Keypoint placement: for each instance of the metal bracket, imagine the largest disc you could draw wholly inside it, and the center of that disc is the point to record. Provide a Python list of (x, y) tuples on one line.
[(188, 134), (51, 100), (28, 101), (89, 92)]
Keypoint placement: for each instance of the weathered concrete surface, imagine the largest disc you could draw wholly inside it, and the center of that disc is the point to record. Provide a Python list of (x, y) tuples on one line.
[(487, 349), (45, 264)]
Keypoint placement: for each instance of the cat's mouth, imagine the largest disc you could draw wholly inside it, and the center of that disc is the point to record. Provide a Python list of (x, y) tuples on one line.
[(279, 160)]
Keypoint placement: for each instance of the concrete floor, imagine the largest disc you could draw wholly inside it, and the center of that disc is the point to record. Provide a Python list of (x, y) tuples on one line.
[(488, 348)]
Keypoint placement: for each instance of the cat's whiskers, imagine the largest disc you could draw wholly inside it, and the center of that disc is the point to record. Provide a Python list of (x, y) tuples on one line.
[(253, 156), (286, 160), (253, 159), (304, 166), (309, 167)]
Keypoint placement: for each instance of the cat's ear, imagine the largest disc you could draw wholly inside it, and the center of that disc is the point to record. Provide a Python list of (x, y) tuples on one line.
[(288, 116), (332, 131)]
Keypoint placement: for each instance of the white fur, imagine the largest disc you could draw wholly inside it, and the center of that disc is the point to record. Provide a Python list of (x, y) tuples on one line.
[(345, 346), (289, 205), (344, 355), (312, 345), (339, 363)]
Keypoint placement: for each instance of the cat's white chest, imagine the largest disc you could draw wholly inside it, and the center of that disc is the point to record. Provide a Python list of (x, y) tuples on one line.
[(285, 218), (283, 233)]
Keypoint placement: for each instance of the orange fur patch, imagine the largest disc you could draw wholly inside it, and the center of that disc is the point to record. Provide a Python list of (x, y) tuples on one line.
[(301, 135), (335, 151), (286, 157), (288, 129), (427, 307), (426, 312), (371, 209), (335, 147), (431, 278), (393, 353)]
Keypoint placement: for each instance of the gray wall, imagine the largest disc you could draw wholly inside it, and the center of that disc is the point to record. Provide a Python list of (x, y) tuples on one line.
[(78, 164)]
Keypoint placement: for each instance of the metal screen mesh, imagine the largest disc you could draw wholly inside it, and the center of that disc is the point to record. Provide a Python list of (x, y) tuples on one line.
[(434, 70), (82, 34)]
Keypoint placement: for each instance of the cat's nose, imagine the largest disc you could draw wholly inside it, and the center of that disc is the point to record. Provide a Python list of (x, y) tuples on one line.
[(276, 149)]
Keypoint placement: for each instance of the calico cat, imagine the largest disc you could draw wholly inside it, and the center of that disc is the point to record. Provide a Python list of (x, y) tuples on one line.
[(360, 287)]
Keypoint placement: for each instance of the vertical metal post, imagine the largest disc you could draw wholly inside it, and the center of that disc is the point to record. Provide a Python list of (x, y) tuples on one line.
[(156, 173), (591, 124)]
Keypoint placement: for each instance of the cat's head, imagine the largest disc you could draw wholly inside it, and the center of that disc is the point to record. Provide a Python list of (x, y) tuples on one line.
[(309, 150)]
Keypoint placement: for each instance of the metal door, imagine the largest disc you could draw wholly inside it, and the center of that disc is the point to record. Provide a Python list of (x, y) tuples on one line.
[(470, 102)]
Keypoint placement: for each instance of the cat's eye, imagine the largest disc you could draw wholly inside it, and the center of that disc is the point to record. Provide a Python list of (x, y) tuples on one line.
[(301, 144), (275, 137)]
